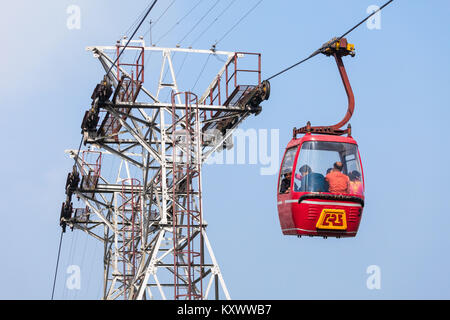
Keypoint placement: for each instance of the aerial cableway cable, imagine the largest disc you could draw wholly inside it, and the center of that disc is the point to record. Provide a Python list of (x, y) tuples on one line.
[(199, 21), (364, 20), (132, 27), (132, 36), (170, 30), (178, 22), (57, 263), (153, 24), (238, 22), (162, 14), (331, 43), (212, 22)]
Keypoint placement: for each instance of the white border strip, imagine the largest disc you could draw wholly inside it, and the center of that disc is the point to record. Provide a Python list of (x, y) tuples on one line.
[(344, 204)]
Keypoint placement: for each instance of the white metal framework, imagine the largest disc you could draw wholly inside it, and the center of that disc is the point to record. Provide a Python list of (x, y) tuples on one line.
[(145, 204)]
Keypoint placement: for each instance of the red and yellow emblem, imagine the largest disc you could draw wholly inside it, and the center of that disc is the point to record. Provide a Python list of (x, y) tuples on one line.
[(333, 219)]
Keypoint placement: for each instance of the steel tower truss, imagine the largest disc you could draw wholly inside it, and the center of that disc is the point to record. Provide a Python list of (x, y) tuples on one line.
[(148, 214)]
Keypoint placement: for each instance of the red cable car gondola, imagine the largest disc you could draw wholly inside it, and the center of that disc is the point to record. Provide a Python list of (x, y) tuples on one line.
[(321, 182)]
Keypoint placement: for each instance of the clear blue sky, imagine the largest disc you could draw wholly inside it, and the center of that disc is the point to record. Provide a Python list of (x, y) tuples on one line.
[(401, 81)]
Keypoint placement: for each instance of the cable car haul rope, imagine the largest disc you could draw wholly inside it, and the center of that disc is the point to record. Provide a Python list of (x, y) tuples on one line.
[(330, 43)]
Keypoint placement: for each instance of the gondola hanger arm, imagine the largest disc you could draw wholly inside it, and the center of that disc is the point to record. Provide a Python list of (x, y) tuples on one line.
[(337, 49)]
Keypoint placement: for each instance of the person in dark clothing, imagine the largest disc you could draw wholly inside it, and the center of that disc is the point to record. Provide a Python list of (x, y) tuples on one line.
[(312, 181), (286, 183)]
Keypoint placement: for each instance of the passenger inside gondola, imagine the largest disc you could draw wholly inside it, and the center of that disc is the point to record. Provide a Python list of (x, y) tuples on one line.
[(311, 181), (338, 182), (286, 183), (313, 172), (286, 171), (355, 185)]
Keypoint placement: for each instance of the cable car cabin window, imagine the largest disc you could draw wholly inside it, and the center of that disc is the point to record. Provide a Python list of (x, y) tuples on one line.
[(333, 167), (286, 171)]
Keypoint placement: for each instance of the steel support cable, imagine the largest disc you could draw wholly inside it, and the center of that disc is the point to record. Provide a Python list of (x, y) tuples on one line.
[(214, 21), (159, 18), (132, 36), (162, 14), (82, 259), (91, 267), (201, 72), (323, 48), (57, 264), (178, 22), (152, 26), (190, 31), (199, 21), (201, 34), (294, 65), (364, 20), (182, 65), (137, 19), (170, 30), (238, 22), (70, 258), (208, 27)]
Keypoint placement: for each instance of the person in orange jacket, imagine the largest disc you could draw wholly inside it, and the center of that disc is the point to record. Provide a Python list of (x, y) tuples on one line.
[(337, 181), (355, 185)]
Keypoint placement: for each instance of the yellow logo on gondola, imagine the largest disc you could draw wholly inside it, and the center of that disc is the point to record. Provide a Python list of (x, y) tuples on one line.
[(333, 219)]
